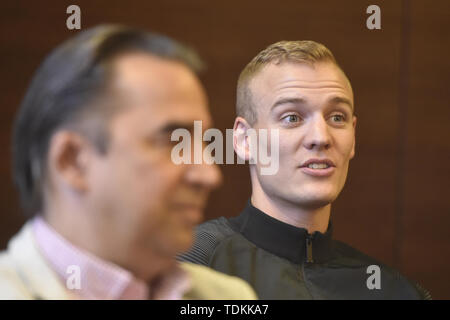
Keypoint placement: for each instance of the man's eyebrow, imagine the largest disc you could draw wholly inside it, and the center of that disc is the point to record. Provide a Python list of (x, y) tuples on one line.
[(170, 127), (337, 100), (300, 101), (288, 101)]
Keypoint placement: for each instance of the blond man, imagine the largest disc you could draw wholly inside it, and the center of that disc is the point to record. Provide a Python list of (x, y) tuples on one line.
[(282, 241)]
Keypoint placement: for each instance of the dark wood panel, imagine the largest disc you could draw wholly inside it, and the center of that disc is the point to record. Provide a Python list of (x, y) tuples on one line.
[(228, 34), (425, 251)]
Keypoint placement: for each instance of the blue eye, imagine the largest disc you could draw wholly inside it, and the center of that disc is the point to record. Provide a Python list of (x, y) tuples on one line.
[(338, 118), (292, 118)]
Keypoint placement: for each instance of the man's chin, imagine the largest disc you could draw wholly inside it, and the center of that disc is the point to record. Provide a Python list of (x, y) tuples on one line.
[(313, 202), (174, 246)]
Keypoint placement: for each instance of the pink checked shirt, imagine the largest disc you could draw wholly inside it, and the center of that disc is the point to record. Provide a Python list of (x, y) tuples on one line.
[(100, 279)]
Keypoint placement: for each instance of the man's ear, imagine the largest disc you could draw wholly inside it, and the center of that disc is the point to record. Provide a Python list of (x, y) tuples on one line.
[(68, 160), (352, 154), (241, 138)]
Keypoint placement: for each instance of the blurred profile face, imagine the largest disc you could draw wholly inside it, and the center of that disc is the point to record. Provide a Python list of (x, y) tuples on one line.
[(312, 106), (143, 201)]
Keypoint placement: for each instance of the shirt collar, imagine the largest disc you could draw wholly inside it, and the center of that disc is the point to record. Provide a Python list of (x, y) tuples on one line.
[(282, 239), (99, 279)]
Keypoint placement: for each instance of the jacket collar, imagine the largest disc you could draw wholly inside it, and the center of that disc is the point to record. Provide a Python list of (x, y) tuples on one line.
[(282, 239), (41, 282), (99, 279), (38, 278)]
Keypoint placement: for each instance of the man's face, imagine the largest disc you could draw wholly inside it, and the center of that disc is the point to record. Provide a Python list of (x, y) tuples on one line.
[(144, 202), (312, 106)]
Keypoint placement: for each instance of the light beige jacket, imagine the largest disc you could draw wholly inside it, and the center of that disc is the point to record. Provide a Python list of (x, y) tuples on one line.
[(25, 274)]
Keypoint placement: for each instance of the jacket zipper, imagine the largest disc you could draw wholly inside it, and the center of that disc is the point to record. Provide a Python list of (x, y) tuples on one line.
[(309, 252)]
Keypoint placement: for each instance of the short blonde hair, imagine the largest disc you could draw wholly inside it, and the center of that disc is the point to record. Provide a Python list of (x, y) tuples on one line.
[(306, 51)]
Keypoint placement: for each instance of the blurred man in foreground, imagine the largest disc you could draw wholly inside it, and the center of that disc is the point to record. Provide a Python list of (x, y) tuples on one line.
[(108, 208), (281, 243)]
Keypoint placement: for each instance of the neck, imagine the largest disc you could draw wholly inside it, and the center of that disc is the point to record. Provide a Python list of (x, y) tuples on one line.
[(77, 226), (311, 219)]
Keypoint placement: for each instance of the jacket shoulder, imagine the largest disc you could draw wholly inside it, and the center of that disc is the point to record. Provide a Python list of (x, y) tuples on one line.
[(11, 284), (208, 236), (354, 257), (213, 285)]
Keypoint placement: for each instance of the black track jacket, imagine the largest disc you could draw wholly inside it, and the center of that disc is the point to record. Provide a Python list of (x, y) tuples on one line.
[(281, 261)]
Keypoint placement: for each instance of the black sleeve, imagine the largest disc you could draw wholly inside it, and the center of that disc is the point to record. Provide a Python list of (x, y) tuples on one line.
[(424, 293)]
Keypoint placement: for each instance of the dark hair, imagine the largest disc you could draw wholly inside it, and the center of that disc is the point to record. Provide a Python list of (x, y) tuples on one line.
[(68, 84)]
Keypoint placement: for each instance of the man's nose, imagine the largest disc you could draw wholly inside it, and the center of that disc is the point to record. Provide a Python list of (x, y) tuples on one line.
[(317, 135)]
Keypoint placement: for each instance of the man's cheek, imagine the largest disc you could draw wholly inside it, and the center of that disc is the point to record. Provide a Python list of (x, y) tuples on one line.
[(287, 160)]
